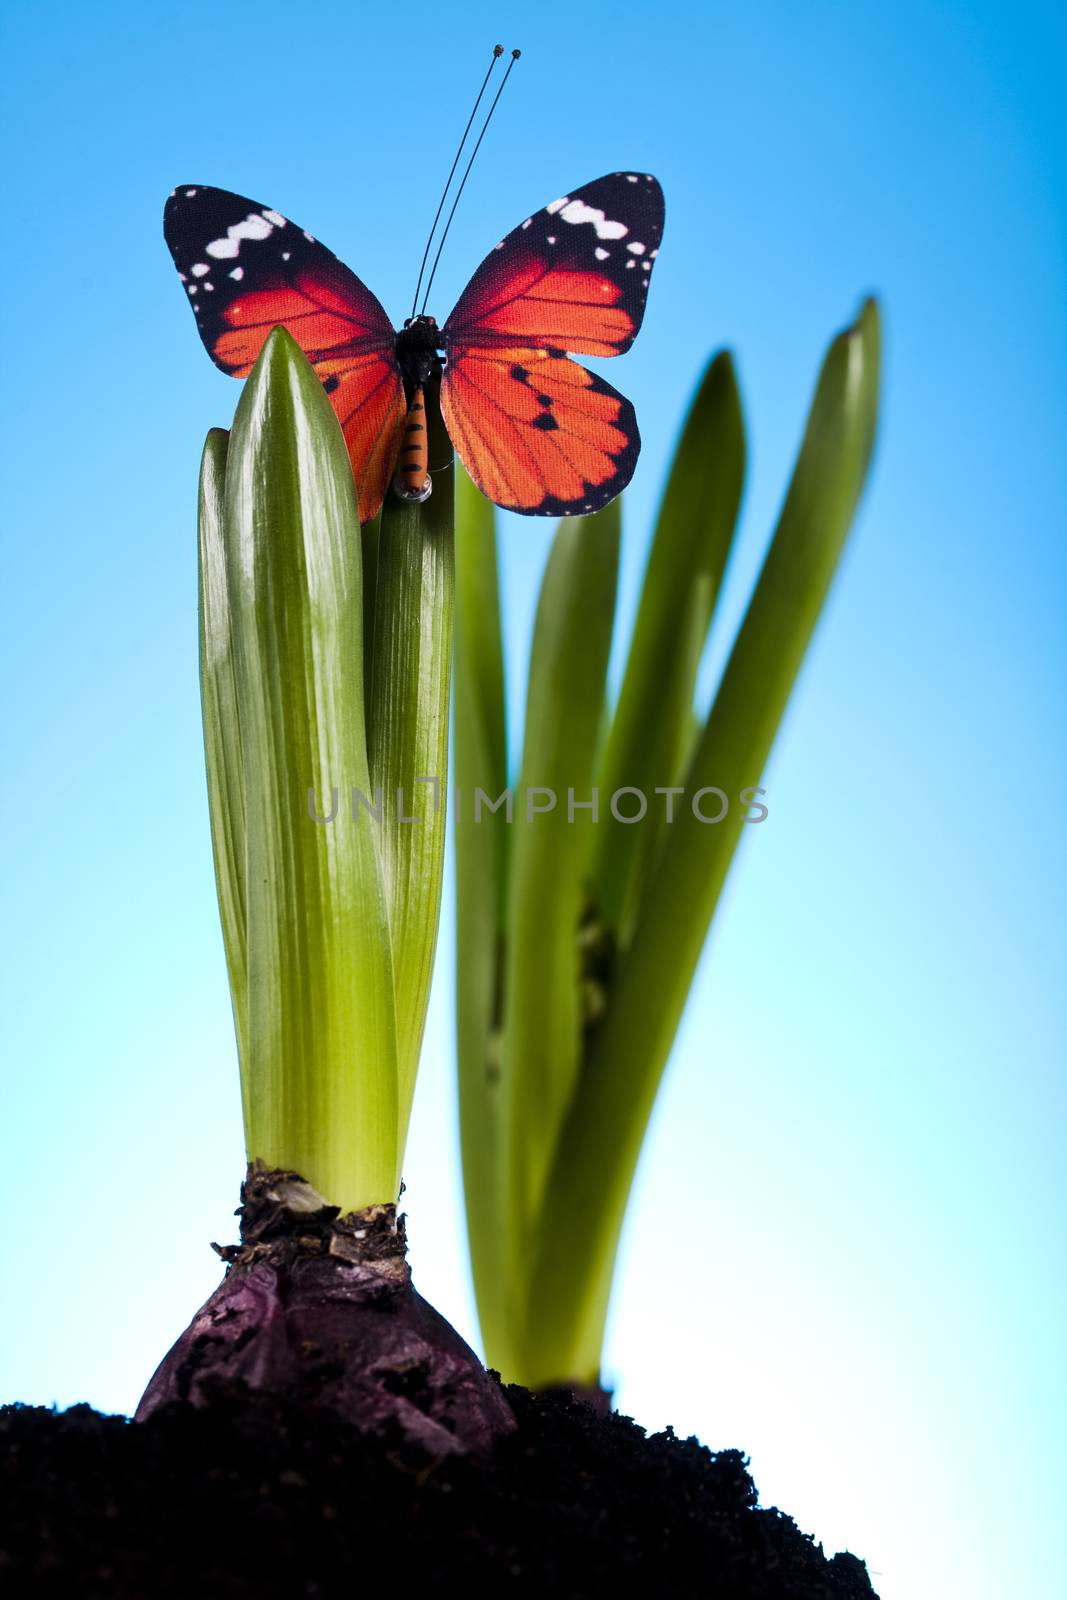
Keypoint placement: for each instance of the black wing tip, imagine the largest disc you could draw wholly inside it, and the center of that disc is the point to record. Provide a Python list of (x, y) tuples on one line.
[(642, 184), (180, 196)]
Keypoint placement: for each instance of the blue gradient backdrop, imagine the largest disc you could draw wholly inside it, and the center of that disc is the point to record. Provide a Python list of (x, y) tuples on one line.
[(859, 1143)]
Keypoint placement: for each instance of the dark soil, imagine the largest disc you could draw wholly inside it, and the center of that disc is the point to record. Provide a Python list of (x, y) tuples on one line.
[(251, 1497)]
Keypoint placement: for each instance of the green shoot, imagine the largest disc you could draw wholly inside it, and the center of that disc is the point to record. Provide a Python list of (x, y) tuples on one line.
[(564, 1092), (481, 765), (222, 738), (551, 840), (318, 1060), (325, 656), (650, 732), (408, 734)]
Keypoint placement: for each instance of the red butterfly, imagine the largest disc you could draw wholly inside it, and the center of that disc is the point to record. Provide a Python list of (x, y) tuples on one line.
[(538, 433)]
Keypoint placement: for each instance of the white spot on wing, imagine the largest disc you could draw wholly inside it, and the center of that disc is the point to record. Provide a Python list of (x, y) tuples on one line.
[(601, 255), (557, 205), (189, 193), (578, 211), (237, 274), (275, 218), (253, 227), (200, 269), (635, 248)]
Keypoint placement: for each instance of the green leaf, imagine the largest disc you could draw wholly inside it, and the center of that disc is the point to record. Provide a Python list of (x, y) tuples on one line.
[(222, 736), (689, 552), (480, 753), (585, 1199), (676, 736), (542, 1032), (369, 535), (408, 743), (320, 1066)]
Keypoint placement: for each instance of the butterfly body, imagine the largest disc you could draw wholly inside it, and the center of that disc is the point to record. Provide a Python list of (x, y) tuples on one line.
[(539, 433), (417, 348)]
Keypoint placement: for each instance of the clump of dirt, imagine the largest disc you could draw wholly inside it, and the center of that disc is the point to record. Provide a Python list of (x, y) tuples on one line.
[(319, 1430), (259, 1497)]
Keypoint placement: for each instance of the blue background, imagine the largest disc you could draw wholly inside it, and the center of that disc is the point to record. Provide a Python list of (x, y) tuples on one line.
[(861, 1131)]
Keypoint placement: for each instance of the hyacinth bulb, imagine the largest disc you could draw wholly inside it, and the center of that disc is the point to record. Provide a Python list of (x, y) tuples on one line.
[(321, 1309)]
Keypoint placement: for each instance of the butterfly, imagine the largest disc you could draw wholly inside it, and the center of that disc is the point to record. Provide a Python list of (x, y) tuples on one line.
[(538, 433)]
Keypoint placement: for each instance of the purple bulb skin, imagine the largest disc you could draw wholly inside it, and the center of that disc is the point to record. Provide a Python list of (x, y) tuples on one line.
[(321, 1309)]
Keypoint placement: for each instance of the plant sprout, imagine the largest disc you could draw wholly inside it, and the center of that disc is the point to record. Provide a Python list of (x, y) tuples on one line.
[(325, 698), (578, 938), (325, 655)]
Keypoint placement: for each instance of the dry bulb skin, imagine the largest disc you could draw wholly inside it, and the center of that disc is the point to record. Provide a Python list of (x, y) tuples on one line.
[(321, 1308)]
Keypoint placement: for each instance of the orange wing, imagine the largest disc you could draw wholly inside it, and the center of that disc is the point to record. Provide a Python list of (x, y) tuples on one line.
[(246, 270), (536, 431)]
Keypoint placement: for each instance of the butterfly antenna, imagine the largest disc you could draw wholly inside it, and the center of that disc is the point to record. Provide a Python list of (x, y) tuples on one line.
[(498, 51), (515, 54)]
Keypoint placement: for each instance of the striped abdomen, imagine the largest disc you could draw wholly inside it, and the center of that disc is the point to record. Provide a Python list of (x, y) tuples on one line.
[(412, 478)]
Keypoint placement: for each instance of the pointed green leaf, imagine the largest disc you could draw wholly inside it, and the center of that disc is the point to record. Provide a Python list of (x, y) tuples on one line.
[(601, 1141), (480, 753), (689, 552), (673, 739), (320, 1067), (369, 535), (408, 745), (222, 736), (549, 845)]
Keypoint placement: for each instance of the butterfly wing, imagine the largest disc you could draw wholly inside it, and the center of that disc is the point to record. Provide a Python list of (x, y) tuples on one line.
[(246, 269), (538, 433)]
